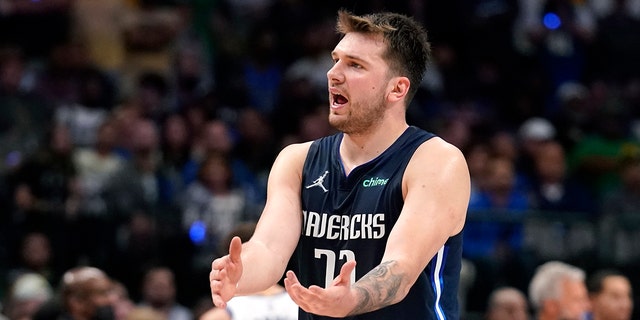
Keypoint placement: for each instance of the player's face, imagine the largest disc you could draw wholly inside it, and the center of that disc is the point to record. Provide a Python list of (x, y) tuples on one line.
[(359, 82)]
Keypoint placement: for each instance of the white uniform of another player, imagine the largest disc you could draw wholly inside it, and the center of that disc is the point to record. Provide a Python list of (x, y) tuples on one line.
[(278, 306)]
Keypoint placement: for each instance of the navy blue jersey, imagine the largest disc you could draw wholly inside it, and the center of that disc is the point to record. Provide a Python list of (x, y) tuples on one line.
[(350, 218)]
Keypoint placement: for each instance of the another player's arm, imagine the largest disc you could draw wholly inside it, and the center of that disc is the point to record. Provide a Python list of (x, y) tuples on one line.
[(436, 187), (266, 254)]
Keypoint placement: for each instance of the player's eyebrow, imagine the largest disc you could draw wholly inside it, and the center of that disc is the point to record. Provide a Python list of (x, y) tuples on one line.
[(352, 57)]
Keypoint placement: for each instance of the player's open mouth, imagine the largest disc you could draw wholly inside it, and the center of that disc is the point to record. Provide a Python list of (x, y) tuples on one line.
[(339, 99)]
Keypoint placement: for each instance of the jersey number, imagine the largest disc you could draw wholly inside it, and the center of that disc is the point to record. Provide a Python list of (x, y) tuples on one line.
[(331, 263)]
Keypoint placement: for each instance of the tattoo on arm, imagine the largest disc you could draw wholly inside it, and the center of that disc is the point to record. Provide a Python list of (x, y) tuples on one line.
[(378, 288)]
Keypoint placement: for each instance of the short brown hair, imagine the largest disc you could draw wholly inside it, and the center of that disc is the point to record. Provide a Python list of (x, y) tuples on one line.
[(408, 49)]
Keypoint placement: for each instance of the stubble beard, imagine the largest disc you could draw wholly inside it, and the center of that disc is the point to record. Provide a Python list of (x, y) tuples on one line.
[(360, 118)]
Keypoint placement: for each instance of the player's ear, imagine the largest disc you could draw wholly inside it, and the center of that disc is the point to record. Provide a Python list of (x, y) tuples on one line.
[(399, 89)]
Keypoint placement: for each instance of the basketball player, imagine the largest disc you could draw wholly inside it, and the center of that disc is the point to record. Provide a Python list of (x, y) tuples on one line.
[(372, 215)]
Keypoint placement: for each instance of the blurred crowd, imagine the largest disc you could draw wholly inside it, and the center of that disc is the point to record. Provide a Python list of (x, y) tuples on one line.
[(136, 134)]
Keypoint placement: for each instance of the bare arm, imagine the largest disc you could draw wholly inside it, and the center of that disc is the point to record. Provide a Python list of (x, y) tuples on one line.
[(436, 200), (260, 262)]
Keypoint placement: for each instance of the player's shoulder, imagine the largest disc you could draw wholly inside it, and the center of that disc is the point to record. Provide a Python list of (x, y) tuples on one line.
[(436, 143), (438, 151), (293, 154), (296, 149)]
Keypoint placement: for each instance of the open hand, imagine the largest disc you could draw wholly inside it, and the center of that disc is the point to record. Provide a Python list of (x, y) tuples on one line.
[(337, 300), (225, 274)]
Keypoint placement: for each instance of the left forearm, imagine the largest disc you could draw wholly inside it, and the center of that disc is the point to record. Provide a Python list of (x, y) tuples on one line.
[(380, 287)]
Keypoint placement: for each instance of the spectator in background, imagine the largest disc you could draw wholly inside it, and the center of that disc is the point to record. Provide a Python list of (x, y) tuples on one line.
[(122, 303), (494, 236), (257, 147), (27, 293), (507, 303), (49, 176), (261, 70), (84, 116), (85, 293), (611, 295), (191, 78), (140, 184), (145, 241), (175, 146), (211, 206), (35, 255), (217, 136), (554, 188), (477, 154), (619, 212), (566, 219), (95, 165), (139, 247), (625, 198), (25, 114), (532, 134), (159, 293), (575, 113), (504, 206), (595, 157), (557, 291), (149, 96), (504, 144), (143, 208), (46, 191), (91, 230)]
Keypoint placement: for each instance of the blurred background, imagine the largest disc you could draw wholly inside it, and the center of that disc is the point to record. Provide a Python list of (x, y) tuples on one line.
[(138, 133)]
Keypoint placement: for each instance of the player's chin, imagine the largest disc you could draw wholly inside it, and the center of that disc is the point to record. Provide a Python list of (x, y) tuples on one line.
[(337, 120)]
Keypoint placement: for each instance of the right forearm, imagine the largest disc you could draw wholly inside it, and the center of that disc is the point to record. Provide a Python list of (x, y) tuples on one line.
[(262, 268), (379, 288)]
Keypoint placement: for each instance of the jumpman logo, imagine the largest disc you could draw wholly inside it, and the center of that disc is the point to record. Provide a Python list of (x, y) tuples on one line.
[(318, 182)]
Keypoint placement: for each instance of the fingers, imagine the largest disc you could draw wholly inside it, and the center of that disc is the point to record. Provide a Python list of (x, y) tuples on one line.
[(218, 301), (217, 264), (222, 288), (293, 286), (345, 273), (296, 291), (290, 280), (314, 299), (348, 267), (235, 249), (216, 286)]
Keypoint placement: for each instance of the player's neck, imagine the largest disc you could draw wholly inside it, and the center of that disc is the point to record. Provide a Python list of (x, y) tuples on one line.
[(357, 149)]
